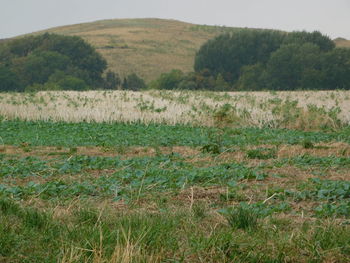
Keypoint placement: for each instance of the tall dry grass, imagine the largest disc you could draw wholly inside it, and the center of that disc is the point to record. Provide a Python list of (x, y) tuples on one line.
[(127, 252), (299, 109)]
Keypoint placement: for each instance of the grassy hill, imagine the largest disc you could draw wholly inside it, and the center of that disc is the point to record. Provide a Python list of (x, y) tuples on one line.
[(342, 42), (147, 47)]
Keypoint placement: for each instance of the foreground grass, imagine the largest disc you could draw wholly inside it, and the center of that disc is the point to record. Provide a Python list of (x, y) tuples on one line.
[(154, 193), (85, 234)]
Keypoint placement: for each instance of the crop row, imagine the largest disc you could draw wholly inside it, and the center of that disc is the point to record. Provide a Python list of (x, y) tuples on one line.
[(103, 134), (118, 179)]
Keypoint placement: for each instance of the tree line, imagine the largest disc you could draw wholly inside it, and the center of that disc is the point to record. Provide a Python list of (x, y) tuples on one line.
[(265, 60), (57, 62), (243, 60)]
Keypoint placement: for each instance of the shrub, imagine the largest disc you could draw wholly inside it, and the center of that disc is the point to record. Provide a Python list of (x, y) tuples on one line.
[(169, 81), (134, 82), (72, 83)]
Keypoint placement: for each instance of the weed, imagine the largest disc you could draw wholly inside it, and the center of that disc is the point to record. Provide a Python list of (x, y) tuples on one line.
[(121, 149), (199, 210), (307, 144), (215, 144), (242, 217), (73, 150), (233, 195), (262, 153)]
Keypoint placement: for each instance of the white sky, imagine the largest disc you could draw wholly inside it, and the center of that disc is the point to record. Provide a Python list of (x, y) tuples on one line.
[(331, 17)]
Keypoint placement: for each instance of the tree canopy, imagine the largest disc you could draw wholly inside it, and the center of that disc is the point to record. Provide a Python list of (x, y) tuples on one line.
[(228, 53), (35, 59), (264, 59)]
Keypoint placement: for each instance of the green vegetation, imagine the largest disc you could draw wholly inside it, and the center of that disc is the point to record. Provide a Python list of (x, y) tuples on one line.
[(49, 62), (147, 47), (103, 134), (225, 187), (154, 193), (267, 60), (55, 62), (227, 54), (133, 82), (263, 63)]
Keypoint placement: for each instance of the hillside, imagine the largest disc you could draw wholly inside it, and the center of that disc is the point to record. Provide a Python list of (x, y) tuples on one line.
[(342, 42), (147, 47)]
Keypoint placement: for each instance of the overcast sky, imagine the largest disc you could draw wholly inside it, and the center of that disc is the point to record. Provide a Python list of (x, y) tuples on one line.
[(331, 17)]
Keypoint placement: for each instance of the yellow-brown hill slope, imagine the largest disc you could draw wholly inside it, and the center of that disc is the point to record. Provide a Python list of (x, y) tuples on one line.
[(147, 47), (342, 42)]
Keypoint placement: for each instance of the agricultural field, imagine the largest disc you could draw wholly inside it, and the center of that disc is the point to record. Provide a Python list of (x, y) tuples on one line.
[(303, 110), (163, 176)]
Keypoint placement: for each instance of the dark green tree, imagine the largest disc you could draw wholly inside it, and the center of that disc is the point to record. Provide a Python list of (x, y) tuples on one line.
[(38, 66), (336, 69), (169, 81), (60, 80), (9, 80), (290, 66), (253, 77), (21, 47), (228, 53), (316, 38), (35, 58), (82, 55)]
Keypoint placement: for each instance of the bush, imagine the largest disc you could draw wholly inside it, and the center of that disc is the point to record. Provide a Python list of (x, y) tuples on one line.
[(190, 81), (169, 81), (72, 83), (134, 82)]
